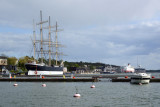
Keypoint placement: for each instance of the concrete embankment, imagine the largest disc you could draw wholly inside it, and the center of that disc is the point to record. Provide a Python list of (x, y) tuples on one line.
[(49, 79), (128, 80)]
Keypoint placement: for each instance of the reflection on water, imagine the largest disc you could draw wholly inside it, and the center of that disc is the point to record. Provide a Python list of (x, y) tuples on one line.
[(58, 94)]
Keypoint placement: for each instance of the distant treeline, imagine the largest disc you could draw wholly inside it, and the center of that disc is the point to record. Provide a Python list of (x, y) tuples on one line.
[(73, 65), (20, 63), (153, 71)]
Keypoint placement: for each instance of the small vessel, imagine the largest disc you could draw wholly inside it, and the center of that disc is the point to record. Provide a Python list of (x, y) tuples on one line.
[(44, 46), (128, 69), (140, 76), (107, 72)]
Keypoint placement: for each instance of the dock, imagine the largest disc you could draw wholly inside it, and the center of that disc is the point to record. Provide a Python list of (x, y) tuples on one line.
[(48, 80), (128, 80), (69, 78)]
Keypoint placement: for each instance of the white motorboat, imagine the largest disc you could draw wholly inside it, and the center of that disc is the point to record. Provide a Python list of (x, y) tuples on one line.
[(140, 78)]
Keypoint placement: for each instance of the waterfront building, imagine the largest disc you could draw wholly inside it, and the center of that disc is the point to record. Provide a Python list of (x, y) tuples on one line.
[(3, 64)]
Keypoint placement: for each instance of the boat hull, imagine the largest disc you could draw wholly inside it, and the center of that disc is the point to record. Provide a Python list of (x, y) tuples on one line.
[(107, 72), (140, 80), (31, 72), (37, 69)]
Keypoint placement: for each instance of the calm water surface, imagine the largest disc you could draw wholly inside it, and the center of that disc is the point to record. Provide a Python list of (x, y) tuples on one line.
[(60, 94)]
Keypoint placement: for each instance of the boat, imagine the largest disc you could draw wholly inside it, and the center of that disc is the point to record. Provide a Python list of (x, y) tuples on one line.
[(140, 76), (107, 72), (108, 69), (42, 69), (128, 69), (43, 48)]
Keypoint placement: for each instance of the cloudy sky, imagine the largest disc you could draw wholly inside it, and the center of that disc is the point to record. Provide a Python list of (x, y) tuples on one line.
[(109, 31)]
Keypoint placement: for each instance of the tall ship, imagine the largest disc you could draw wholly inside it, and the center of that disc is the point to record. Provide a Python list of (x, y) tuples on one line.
[(43, 47)]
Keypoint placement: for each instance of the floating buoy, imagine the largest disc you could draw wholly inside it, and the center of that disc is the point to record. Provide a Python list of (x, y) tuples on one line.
[(140, 83), (43, 85), (93, 86), (126, 77), (15, 84), (77, 95), (73, 77), (42, 76), (153, 76)]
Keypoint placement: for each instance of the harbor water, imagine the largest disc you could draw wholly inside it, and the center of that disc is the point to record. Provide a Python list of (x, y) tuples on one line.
[(60, 94)]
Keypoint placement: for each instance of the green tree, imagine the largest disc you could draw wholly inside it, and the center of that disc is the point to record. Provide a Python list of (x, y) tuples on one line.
[(23, 60), (12, 61), (76, 65)]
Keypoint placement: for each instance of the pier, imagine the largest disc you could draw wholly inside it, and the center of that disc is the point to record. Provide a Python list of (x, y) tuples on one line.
[(128, 80), (69, 78), (49, 79)]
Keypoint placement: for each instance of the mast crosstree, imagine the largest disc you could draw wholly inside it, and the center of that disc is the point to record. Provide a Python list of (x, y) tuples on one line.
[(45, 46), (52, 45), (57, 45), (41, 34)]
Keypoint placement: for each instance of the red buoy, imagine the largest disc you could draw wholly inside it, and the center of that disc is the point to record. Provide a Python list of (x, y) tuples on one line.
[(42, 76), (153, 76), (73, 77), (126, 76)]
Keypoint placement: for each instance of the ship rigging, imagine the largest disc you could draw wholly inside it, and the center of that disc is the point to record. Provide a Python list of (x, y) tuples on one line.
[(45, 46)]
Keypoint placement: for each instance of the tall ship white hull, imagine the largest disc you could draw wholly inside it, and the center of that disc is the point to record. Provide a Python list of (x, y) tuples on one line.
[(30, 72), (39, 69)]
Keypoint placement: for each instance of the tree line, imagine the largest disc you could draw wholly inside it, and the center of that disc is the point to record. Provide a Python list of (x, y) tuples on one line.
[(19, 63)]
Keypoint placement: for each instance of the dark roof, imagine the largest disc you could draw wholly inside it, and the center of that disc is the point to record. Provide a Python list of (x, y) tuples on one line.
[(3, 57)]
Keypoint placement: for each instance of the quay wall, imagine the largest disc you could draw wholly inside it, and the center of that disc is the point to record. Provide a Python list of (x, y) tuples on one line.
[(49, 80), (128, 80)]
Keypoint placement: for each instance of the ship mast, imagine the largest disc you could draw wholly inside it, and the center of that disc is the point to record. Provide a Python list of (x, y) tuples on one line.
[(50, 52), (34, 43), (56, 43), (49, 43), (41, 35)]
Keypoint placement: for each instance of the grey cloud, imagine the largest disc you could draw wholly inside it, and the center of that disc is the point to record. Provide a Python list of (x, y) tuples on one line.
[(111, 31)]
